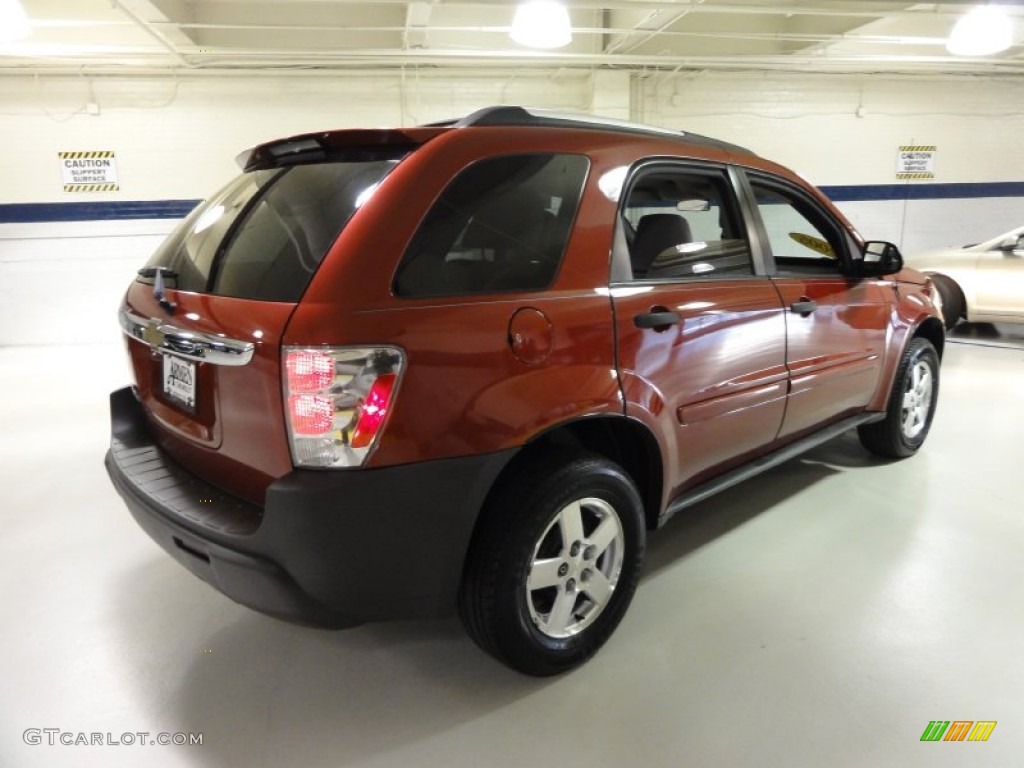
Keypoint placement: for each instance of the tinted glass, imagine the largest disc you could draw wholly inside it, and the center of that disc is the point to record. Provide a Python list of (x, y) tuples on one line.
[(802, 238), (190, 249), (681, 223), (501, 225), (264, 235)]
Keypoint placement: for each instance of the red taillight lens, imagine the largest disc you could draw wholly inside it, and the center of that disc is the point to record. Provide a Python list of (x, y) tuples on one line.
[(309, 371), (311, 414), (374, 410), (336, 401)]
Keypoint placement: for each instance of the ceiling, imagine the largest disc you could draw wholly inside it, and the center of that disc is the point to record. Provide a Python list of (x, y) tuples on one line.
[(215, 36)]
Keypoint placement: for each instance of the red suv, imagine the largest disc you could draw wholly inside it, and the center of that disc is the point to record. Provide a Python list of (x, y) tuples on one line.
[(391, 373)]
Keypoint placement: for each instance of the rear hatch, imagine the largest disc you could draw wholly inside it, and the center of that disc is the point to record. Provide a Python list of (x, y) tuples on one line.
[(205, 317)]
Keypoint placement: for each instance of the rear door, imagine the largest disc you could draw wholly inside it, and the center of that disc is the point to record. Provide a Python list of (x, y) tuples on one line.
[(701, 334), (836, 325)]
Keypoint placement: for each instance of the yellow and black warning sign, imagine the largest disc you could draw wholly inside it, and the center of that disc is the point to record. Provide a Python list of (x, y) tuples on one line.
[(916, 161), (94, 171)]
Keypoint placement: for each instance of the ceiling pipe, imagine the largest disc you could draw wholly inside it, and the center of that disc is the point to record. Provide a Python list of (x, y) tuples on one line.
[(152, 32), (312, 62)]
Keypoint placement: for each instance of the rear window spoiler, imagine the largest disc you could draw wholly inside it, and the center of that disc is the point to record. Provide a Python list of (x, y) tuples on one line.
[(352, 145)]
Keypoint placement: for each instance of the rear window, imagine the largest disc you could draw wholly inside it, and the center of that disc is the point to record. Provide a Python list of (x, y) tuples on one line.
[(264, 235), (501, 225)]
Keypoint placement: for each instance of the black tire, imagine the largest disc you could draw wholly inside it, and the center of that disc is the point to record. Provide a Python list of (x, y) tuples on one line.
[(951, 300), (552, 627), (915, 390)]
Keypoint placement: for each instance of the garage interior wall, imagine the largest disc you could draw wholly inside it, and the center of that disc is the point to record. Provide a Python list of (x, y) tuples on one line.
[(62, 272)]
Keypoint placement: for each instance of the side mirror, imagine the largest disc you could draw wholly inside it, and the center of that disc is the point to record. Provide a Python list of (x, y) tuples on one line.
[(879, 258), (1012, 244)]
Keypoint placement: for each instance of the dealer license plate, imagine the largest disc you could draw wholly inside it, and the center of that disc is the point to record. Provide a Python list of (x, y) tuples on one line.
[(180, 381)]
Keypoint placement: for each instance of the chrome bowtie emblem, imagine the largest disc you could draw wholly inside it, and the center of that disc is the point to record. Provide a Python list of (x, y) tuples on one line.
[(152, 334)]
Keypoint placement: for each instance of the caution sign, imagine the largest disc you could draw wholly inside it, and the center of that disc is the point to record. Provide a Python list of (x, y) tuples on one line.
[(916, 162), (89, 171)]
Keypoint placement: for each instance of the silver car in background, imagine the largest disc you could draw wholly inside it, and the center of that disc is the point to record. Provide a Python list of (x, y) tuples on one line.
[(981, 283)]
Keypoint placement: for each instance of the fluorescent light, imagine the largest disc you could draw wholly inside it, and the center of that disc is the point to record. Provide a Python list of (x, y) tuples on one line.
[(13, 22), (982, 31), (541, 24)]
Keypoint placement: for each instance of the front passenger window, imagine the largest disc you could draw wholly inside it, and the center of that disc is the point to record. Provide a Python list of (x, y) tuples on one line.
[(802, 239)]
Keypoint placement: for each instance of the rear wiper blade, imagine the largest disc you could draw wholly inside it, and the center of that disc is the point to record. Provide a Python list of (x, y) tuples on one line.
[(154, 271), (159, 291)]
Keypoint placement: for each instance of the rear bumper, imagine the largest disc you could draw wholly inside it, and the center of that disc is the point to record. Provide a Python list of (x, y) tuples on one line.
[(331, 548)]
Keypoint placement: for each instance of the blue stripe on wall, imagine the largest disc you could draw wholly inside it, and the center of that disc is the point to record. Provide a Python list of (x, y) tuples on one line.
[(918, 191), (16, 213)]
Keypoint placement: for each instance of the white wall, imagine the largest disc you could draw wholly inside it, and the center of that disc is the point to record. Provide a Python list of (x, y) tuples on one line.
[(177, 139), (846, 130)]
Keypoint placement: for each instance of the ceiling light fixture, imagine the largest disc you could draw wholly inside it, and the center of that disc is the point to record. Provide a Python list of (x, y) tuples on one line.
[(541, 24), (982, 31), (13, 22)]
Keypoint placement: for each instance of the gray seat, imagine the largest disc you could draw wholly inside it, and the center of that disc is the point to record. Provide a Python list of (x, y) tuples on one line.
[(655, 233)]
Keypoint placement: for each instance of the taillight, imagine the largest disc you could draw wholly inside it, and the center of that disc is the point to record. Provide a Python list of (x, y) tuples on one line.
[(337, 401), (374, 410), (311, 414), (309, 371)]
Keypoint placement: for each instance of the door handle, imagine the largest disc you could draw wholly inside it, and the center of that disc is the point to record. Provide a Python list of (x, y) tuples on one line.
[(803, 307), (657, 320)]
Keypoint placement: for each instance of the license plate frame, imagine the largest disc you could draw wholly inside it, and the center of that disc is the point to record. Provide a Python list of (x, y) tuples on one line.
[(179, 381)]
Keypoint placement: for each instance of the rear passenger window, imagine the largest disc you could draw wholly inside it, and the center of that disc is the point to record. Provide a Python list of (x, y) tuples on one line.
[(501, 225), (682, 223)]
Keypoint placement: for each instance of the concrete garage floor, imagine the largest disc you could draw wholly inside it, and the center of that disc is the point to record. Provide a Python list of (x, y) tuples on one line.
[(820, 615)]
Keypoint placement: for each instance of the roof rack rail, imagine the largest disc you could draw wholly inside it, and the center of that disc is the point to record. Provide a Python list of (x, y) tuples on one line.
[(522, 116)]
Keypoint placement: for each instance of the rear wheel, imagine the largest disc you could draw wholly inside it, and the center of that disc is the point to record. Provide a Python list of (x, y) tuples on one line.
[(915, 390), (554, 564), (950, 300)]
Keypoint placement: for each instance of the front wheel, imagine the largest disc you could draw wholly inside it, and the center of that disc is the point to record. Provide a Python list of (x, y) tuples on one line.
[(554, 564), (908, 418)]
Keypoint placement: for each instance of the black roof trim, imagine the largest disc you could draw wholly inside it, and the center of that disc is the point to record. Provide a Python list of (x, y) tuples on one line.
[(520, 116)]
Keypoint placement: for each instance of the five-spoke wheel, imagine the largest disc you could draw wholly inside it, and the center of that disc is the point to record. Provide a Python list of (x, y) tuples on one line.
[(911, 404), (554, 562), (575, 568)]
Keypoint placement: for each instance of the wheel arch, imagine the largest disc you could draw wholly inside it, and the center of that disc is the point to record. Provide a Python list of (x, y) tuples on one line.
[(931, 328), (963, 281), (625, 441), (620, 439)]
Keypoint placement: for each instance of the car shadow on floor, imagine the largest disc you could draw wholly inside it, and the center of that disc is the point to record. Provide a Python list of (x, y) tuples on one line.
[(988, 334), (697, 526), (266, 692)]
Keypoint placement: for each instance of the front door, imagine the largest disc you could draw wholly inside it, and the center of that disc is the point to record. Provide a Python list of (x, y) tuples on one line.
[(835, 325)]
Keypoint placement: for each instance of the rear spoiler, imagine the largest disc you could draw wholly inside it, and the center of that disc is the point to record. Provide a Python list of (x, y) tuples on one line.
[(352, 145)]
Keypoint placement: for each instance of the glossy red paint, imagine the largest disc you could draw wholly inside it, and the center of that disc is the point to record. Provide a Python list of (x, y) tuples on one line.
[(712, 387), (237, 435), (529, 336), (489, 373), (836, 353)]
